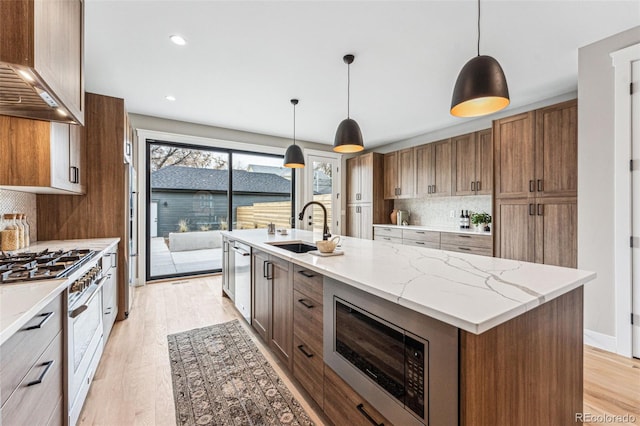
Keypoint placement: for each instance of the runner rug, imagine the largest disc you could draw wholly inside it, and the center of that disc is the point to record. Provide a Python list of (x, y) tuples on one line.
[(220, 378)]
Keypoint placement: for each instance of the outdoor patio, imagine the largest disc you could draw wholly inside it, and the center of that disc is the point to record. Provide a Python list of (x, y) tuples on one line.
[(165, 262)]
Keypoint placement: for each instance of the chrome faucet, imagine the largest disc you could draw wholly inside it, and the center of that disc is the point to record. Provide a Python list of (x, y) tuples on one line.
[(325, 228)]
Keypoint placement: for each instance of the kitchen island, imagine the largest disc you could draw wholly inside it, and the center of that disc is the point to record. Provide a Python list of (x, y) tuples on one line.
[(519, 324)]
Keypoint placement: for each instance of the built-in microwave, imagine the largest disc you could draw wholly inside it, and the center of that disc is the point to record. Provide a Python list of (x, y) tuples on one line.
[(404, 363)]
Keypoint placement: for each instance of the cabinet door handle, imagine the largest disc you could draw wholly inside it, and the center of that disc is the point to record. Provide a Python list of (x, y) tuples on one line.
[(477, 185), (473, 186), (464, 248), (73, 174), (532, 186), (360, 408), (428, 189), (433, 191), (306, 274), (46, 317), (540, 186), (540, 209), (47, 366), (269, 270), (532, 209), (264, 268), (301, 348), (306, 303)]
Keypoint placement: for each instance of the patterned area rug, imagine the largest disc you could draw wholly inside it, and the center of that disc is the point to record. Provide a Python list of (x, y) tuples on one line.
[(221, 378)]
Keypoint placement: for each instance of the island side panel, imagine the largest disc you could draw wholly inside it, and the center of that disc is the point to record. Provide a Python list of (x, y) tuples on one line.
[(527, 371)]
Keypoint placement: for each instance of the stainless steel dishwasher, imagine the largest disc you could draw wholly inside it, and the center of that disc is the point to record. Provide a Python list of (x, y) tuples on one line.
[(242, 275)]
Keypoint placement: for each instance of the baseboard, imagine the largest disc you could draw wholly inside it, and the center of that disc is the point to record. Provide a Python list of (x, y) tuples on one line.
[(600, 341)]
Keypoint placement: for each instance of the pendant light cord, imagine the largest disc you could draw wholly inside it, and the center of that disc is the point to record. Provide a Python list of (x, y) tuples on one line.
[(478, 27), (348, 88), (294, 124)]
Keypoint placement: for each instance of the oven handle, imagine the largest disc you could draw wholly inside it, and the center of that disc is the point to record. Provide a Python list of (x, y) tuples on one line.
[(80, 309), (360, 408)]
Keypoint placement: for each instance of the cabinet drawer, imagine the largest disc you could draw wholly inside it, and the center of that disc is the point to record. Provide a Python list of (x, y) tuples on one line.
[(467, 240), (307, 320), (20, 352), (417, 235), (308, 282), (483, 251), (427, 244), (394, 240), (344, 406), (34, 403), (308, 368), (387, 232)]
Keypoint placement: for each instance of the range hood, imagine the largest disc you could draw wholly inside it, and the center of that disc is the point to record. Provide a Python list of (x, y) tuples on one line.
[(24, 94)]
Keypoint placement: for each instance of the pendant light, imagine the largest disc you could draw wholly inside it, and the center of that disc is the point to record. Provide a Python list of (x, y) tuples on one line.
[(348, 136), (293, 158), (481, 87)]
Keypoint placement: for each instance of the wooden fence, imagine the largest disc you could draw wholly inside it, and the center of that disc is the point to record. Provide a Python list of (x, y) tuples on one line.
[(259, 215)]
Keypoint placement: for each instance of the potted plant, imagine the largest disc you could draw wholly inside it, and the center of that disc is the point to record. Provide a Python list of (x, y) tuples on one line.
[(481, 221)]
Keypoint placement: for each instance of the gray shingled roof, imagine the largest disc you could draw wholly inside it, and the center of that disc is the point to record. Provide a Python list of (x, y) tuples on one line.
[(179, 177)]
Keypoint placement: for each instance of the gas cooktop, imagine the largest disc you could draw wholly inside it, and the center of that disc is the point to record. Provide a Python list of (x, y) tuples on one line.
[(46, 264)]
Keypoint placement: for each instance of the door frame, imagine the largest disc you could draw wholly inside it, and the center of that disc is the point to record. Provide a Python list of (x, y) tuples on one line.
[(621, 61), (336, 187)]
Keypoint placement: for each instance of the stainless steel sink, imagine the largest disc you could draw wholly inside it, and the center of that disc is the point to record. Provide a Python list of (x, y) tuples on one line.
[(295, 246)]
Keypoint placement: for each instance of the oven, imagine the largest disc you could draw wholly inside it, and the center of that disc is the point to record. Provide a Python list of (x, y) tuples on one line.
[(404, 363), (85, 332)]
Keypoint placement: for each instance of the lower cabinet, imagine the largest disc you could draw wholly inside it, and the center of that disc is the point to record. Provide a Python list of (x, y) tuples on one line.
[(31, 371), (272, 313), (451, 241), (467, 243), (344, 406), (308, 362), (360, 221), (109, 292)]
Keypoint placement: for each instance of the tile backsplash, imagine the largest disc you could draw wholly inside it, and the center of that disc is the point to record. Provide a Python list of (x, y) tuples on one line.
[(20, 202), (437, 211)]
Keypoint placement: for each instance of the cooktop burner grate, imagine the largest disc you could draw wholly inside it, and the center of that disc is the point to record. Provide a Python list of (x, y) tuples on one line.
[(47, 264)]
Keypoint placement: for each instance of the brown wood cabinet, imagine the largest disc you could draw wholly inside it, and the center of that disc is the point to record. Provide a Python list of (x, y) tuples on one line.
[(308, 360), (473, 163), (34, 353), (45, 38), (42, 156), (433, 169), (104, 211), (344, 406), (272, 303), (365, 201), (399, 174), (536, 185)]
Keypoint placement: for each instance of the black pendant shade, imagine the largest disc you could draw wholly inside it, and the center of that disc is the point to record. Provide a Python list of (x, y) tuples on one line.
[(348, 137), (293, 157), (481, 88)]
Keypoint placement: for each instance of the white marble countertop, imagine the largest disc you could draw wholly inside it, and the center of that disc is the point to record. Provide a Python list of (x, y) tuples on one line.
[(19, 302), (474, 293), (433, 228)]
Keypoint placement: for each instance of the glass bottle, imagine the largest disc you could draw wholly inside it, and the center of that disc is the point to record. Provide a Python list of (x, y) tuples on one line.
[(9, 239), (27, 230), (20, 226)]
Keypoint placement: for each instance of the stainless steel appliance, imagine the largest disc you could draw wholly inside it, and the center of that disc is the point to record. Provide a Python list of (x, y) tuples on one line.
[(404, 363), (133, 237), (228, 269), (28, 266), (242, 278), (84, 331)]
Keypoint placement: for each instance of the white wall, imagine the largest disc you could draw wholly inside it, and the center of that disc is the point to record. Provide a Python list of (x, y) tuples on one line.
[(596, 187)]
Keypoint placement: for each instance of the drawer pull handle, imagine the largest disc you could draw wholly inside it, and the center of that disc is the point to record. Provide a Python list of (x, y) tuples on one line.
[(47, 365), (307, 354), (386, 238), (419, 232), (464, 236), (420, 242), (305, 303), (46, 317), (464, 248), (360, 408), (306, 274)]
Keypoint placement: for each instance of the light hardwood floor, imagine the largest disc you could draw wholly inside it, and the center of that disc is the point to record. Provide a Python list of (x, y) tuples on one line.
[(133, 383)]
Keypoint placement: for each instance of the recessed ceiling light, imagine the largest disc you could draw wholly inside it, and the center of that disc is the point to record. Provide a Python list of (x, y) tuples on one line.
[(170, 98), (179, 40)]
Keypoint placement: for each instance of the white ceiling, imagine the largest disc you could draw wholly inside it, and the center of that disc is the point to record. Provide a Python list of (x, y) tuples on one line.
[(245, 60)]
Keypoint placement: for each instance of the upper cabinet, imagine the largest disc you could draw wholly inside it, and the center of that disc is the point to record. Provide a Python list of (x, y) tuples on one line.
[(41, 156), (473, 163), (536, 153), (433, 169), (42, 59), (399, 174)]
